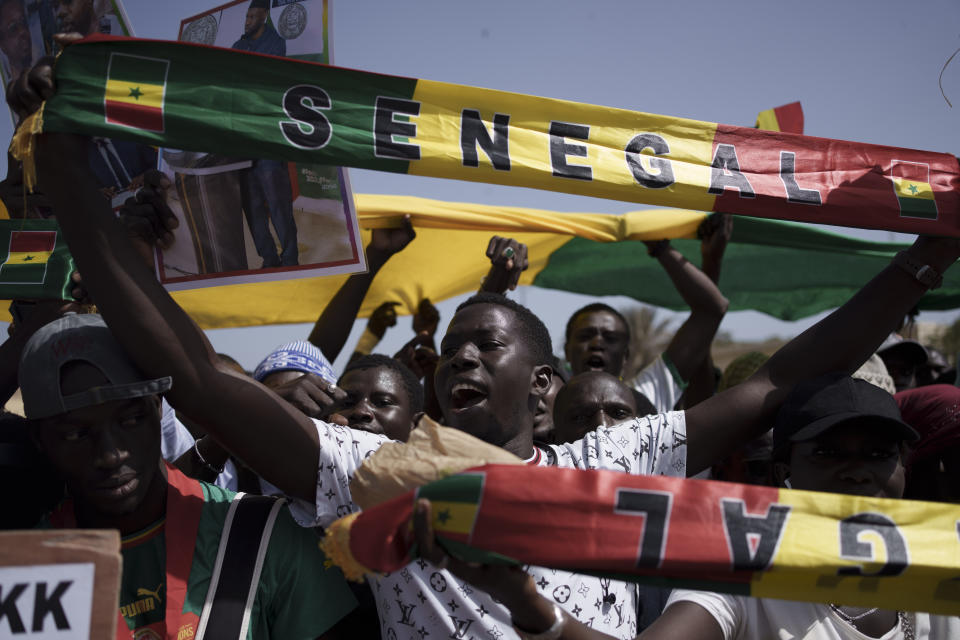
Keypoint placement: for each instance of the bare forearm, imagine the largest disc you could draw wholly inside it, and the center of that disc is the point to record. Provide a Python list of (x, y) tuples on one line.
[(691, 344), (702, 384), (710, 265), (846, 338), (840, 342), (694, 286), (163, 341), (332, 328)]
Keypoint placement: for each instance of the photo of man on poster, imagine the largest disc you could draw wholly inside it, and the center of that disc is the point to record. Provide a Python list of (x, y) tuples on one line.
[(265, 187), (87, 17)]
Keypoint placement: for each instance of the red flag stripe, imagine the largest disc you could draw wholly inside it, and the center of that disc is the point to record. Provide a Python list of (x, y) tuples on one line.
[(134, 115), (790, 117), (29, 241)]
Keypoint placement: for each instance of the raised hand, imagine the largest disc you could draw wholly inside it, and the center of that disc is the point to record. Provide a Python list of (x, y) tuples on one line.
[(418, 357), (714, 233), (382, 317), (508, 259), (386, 242), (311, 395), (147, 217), (26, 93), (426, 318)]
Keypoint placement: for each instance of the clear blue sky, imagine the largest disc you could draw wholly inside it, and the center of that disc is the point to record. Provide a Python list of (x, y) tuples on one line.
[(864, 71)]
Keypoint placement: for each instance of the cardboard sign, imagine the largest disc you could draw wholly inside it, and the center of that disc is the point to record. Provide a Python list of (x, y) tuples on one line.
[(58, 584)]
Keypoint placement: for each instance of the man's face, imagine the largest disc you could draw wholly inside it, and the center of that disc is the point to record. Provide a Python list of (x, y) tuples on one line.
[(858, 457), (14, 34), (377, 402), (902, 369), (486, 381), (589, 401), (598, 342), (256, 18), (543, 418), (108, 454), (75, 15)]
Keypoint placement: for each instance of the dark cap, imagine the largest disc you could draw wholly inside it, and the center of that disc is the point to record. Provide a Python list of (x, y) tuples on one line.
[(909, 350), (260, 4), (820, 404), (78, 338)]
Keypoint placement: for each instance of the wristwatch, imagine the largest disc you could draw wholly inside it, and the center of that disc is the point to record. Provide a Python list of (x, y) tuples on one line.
[(554, 632), (923, 273)]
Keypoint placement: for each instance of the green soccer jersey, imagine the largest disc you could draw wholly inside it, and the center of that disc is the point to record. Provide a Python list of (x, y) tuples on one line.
[(296, 598)]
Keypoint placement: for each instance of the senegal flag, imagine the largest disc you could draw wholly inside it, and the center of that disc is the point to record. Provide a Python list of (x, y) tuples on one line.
[(911, 183), (455, 504), (35, 262), (135, 91)]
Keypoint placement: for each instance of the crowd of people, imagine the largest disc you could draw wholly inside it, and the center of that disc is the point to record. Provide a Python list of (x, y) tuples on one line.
[(133, 422)]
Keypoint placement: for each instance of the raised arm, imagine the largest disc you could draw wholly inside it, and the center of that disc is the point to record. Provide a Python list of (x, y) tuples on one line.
[(840, 342), (332, 328), (254, 424), (707, 305), (714, 235)]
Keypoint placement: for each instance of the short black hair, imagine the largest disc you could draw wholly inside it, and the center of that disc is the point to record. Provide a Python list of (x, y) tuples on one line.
[(410, 382), (591, 308), (531, 328)]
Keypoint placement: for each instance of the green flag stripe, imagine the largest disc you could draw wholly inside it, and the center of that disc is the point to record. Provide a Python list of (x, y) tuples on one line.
[(787, 270), (198, 85), (137, 69), (465, 487), (22, 273), (918, 208)]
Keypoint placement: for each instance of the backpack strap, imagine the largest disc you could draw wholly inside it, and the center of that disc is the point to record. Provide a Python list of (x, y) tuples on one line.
[(233, 583)]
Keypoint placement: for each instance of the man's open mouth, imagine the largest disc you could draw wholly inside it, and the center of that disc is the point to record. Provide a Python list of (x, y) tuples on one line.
[(596, 362), (465, 395)]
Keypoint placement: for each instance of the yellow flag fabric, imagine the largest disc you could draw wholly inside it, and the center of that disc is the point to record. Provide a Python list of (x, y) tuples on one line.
[(575, 252), (446, 259)]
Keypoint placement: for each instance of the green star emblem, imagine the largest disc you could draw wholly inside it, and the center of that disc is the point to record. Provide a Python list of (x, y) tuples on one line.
[(135, 92), (913, 189), (443, 516), (27, 258)]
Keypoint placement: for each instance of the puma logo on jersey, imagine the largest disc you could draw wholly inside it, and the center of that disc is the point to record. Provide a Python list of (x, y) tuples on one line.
[(142, 605)]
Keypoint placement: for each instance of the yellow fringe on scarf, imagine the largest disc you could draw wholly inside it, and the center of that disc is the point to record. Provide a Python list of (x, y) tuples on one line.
[(24, 146), (336, 545)]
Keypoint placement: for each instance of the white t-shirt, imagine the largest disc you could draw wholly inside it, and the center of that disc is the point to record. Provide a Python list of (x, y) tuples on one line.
[(660, 383), (422, 601), (175, 440), (746, 618)]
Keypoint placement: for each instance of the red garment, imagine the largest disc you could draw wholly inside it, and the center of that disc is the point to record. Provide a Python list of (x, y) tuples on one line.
[(184, 506), (934, 411)]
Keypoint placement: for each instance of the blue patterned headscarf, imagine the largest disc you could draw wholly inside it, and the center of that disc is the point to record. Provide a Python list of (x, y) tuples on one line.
[(296, 356)]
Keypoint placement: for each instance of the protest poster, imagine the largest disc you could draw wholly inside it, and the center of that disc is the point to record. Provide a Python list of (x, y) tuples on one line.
[(59, 583), (246, 219)]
